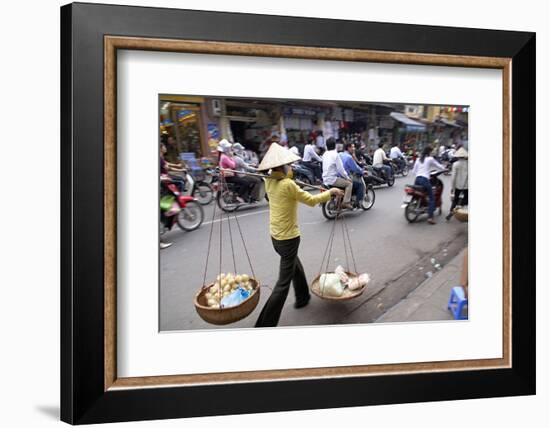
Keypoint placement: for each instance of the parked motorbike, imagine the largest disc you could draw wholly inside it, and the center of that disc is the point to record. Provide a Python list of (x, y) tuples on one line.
[(190, 215), (331, 208), (416, 199)]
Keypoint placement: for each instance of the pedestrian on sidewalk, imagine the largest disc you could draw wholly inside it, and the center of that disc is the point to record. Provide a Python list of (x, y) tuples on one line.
[(284, 195), (459, 180), (422, 169)]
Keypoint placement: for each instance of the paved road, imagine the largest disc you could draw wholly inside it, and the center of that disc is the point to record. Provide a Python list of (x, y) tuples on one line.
[(395, 254)]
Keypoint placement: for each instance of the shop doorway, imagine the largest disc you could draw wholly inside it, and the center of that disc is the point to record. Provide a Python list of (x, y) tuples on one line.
[(180, 126)]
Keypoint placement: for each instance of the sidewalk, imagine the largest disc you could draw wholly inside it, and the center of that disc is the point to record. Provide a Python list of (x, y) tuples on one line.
[(428, 302)]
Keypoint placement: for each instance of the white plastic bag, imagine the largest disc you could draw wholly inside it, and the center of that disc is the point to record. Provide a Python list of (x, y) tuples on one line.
[(330, 285), (359, 282), (341, 274)]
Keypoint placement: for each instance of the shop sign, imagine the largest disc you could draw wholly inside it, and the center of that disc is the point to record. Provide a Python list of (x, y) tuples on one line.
[(296, 111)]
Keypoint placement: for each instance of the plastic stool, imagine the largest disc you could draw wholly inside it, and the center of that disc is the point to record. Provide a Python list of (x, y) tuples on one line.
[(457, 303)]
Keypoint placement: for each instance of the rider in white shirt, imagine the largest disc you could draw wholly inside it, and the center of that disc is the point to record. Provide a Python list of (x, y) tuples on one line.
[(395, 152), (378, 160), (422, 169), (397, 155), (310, 155), (320, 141), (334, 173)]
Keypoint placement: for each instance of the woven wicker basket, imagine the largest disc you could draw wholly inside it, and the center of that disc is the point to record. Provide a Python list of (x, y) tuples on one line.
[(348, 294), (230, 315), (461, 214)]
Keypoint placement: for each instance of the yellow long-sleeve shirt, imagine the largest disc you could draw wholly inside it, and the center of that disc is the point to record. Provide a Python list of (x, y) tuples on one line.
[(284, 195)]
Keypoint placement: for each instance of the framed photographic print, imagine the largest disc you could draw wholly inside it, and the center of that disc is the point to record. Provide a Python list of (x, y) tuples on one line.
[(267, 213)]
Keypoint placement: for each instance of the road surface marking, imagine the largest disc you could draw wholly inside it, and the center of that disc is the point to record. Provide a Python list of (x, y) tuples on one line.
[(232, 216)]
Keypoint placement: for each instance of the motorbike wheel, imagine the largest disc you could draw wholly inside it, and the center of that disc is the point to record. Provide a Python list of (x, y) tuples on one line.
[(207, 178), (329, 209), (203, 193), (190, 217), (391, 181), (405, 171), (226, 201), (412, 210), (368, 200)]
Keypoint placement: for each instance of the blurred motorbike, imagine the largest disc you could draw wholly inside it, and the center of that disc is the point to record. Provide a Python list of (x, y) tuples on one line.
[(400, 166), (227, 196), (333, 207), (379, 177), (190, 214), (416, 199), (197, 187)]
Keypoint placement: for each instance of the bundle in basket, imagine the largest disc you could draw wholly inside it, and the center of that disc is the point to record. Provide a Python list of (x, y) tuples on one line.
[(210, 309), (461, 214), (320, 285)]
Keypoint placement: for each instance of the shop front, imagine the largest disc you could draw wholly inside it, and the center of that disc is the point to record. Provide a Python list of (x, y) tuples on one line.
[(182, 126)]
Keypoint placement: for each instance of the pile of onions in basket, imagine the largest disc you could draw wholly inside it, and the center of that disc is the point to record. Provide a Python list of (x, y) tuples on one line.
[(225, 284)]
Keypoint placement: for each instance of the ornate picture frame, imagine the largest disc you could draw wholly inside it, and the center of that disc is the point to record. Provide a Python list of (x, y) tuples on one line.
[(90, 37)]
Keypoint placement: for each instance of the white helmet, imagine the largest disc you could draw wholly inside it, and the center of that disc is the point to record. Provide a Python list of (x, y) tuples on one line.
[(224, 146), (238, 147)]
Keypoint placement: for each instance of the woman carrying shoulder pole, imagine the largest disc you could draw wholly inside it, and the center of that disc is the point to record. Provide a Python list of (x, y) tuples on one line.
[(284, 195)]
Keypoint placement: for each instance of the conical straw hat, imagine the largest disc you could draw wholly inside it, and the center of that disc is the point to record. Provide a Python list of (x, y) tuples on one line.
[(461, 153), (277, 156)]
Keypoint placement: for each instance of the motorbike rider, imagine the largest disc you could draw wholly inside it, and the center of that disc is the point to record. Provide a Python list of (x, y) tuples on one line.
[(378, 161), (320, 142), (442, 149), (284, 195), (242, 165), (334, 174), (264, 147), (362, 154), (422, 169), (167, 167), (226, 161), (397, 155), (351, 167), (239, 150), (312, 160)]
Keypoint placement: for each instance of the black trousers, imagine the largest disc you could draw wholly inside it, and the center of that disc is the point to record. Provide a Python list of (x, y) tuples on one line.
[(290, 270), (316, 168), (241, 184), (456, 198)]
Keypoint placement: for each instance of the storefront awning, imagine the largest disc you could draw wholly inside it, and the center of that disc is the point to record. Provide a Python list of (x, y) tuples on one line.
[(412, 125), (449, 122)]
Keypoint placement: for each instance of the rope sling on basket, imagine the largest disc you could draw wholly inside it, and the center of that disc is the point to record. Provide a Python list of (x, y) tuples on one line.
[(342, 283), (231, 297)]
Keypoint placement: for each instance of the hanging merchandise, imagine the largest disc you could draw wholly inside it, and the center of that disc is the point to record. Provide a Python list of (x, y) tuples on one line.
[(232, 296), (342, 283)]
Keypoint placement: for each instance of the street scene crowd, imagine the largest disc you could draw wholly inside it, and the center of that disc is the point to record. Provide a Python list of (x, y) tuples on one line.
[(385, 253)]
